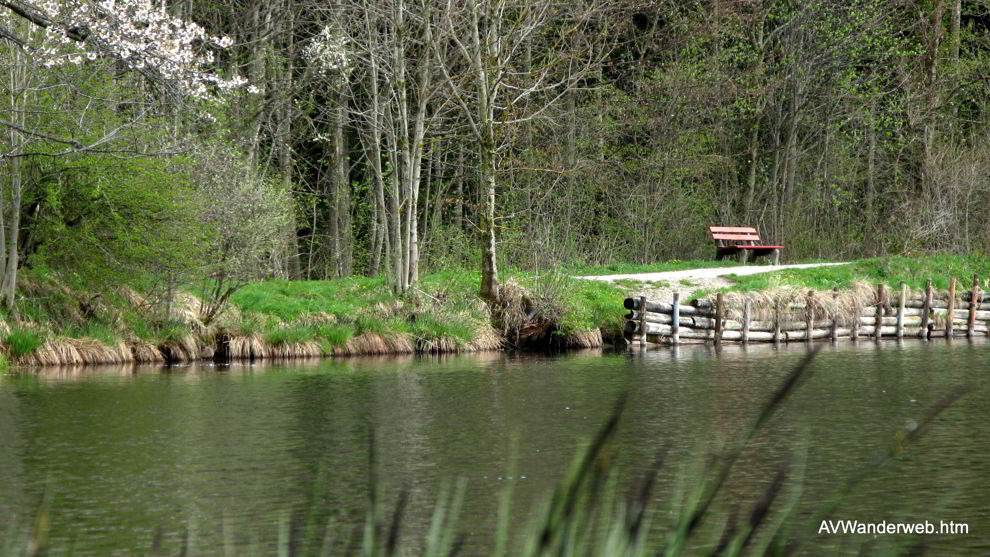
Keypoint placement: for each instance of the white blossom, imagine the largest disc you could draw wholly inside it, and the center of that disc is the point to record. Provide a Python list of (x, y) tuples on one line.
[(327, 52), (139, 33)]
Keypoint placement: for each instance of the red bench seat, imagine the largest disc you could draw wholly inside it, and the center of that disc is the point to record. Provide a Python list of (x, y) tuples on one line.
[(732, 240)]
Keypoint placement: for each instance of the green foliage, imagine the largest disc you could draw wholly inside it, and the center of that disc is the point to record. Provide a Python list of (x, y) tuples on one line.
[(113, 219), (22, 341)]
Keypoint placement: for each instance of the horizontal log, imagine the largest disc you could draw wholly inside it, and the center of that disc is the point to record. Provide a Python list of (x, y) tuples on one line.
[(803, 335), (870, 311), (657, 329), (908, 321), (944, 305), (699, 322), (660, 307), (652, 317)]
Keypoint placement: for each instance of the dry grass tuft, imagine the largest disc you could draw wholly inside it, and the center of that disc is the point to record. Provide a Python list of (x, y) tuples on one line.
[(486, 339), (792, 303), (585, 339), (369, 343), (77, 351), (184, 349)]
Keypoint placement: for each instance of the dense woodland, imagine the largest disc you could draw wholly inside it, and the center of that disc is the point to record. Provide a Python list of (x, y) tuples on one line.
[(320, 139)]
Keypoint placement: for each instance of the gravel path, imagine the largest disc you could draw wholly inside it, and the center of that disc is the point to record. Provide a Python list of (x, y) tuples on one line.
[(665, 283)]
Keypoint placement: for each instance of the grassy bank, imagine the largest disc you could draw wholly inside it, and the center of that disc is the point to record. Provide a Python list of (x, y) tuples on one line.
[(362, 315), (306, 318), (442, 305), (913, 270)]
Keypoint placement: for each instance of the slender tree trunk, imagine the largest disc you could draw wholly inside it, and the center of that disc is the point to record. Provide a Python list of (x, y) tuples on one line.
[(11, 232), (284, 142), (871, 170), (753, 151), (340, 216), (934, 41), (482, 58), (395, 242), (954, 30), (14, 225), (419, 134), (402, 135)]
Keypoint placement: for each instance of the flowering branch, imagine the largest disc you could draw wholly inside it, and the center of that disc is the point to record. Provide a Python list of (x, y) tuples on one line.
[(138, 33)]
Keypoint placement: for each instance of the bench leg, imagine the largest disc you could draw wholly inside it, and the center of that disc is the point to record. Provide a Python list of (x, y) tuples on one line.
[(743, 256), (776, 257)]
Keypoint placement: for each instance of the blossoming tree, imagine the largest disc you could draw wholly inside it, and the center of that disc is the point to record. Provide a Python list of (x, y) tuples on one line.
[(50, 50)]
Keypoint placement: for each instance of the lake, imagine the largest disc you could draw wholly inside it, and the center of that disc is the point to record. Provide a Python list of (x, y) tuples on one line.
[(229, 455)]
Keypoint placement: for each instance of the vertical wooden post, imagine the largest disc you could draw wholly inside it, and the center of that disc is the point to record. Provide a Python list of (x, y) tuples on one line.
[(878, 326), (675, 319), (642, 321), (747, 306), (776, 321), (973, 304), (901, 300), (854, 332), (719, 316), (835, 314), (809, 315), (926, 309), (951, 307)]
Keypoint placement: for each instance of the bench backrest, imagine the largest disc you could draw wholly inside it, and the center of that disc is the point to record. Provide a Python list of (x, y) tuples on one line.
[(734, 234)]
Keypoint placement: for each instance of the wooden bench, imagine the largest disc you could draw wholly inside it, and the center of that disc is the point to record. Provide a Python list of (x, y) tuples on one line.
[(730, 240)]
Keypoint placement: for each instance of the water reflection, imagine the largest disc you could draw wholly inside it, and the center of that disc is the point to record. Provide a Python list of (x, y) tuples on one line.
[(131, 449)]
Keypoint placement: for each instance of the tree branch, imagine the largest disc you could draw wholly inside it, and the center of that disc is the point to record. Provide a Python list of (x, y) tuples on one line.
[(11, 125)]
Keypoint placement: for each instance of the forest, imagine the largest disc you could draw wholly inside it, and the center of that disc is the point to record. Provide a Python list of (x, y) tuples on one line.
[(163, 143)]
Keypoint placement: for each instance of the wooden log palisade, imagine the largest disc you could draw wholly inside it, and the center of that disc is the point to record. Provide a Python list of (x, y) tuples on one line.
[(892, 313)]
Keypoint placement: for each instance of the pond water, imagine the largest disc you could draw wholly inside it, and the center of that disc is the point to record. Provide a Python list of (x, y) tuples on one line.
[(115, 457)]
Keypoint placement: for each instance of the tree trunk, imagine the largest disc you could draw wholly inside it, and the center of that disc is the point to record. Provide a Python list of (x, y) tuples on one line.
[(482, 57)]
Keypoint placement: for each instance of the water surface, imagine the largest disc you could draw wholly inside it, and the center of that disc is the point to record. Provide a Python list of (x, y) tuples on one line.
[(205, 452)]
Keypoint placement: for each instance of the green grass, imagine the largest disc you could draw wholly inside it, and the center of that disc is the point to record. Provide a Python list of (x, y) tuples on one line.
[(914, 271), (151, 330), (630, 268), (291, 300), (22, 341), (94, 330), (431, 327), (443, 305), (327, 335), (585, 304)]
